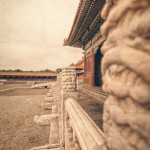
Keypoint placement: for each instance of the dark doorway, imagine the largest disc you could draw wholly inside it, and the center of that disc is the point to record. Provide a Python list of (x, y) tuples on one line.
[(98, 75)]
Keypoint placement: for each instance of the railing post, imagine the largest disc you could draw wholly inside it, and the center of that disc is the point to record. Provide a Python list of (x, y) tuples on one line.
[(68, 89)]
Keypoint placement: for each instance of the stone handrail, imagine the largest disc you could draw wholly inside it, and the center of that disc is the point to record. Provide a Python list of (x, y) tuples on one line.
[(89, 136)]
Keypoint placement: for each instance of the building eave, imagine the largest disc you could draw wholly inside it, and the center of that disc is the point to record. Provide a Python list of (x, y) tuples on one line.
[(89, 10)]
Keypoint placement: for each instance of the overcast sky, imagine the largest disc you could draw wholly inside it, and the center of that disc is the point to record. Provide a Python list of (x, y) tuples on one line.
[(32, 34)]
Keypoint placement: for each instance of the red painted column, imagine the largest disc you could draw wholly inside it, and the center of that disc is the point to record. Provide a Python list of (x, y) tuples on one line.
[(93, 69), (84, 65)]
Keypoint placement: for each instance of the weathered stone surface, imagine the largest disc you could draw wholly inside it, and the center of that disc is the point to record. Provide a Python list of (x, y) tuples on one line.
[(68, 80), (45, 119), (47, 106), (126, 74), (50, 99), (70, 94), (67, 88), (42, 85), (55, 109), (50, 94), (54, 133)]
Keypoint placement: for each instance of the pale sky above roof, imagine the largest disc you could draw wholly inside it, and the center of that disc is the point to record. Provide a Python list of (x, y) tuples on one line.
[(32, 34)]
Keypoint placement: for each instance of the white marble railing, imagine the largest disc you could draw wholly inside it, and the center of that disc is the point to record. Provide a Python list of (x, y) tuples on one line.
[(80, 131)]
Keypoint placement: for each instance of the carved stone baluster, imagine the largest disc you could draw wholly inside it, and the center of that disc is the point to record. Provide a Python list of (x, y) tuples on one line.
[(68, 89)]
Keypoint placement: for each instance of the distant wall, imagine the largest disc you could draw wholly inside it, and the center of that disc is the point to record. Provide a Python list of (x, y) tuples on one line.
[(17, 78), (15, 82)]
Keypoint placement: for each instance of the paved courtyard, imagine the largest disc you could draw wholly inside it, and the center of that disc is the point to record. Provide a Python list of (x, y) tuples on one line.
[(17, 110)]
